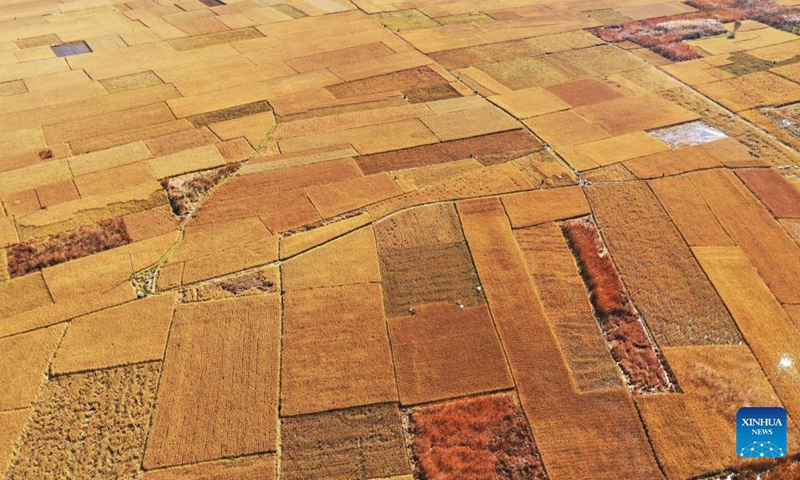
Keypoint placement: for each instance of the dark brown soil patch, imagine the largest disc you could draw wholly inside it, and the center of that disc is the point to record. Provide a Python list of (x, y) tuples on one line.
[(430, 94), (231, 113), (414, 78)]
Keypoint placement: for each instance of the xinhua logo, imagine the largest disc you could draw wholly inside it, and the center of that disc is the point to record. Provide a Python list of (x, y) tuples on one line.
[(761, 432)]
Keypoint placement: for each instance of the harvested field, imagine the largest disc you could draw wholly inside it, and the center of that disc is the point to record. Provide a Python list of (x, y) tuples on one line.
[(11, 426), (446, 351), (665, 282), (359, 443), (627, 336), (229, 407), (750, 302), (26, 360), (480, 437), (135, 332), (436, 273), (568, 308), (341, 364), (546, 392), (89, 425), (257, 282), (750, 225), (773, 190), (346, 260), (425, 226), (81, 242)]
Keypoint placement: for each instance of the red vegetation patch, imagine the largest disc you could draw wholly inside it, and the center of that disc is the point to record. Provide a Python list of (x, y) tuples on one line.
[(79, 242), (480, 437), (186, 191), (666, 35), (787, 468), (627, 337)]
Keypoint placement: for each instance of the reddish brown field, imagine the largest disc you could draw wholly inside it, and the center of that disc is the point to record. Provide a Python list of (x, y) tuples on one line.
[(80, 242), (630, 343), (481, 437)]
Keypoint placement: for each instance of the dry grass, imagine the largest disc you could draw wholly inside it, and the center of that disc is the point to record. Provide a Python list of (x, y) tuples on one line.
[(666, 35), (787, 468), (186, 191), (482, 437), (77, 243), (630, 344)]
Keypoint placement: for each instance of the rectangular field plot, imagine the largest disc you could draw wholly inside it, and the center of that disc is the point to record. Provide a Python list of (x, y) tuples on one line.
[(444, 351), (439, 273), (336, 350), (218, 395), (603, 423), (492, 428), (750, 225), (765, 326), (108, 410), (694, 432), (566, 303), (358, 443), (665, 282)]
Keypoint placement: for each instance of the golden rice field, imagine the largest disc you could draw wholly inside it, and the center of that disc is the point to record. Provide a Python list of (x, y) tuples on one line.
[(397, 240)]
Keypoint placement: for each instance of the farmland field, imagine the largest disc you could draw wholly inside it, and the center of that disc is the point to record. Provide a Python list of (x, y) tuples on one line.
[(397, 240)]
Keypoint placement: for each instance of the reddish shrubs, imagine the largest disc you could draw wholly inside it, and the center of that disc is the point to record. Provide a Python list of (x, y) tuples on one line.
[(627, 337), (666, 35), (186, 191), (80, 242), (475, 438)]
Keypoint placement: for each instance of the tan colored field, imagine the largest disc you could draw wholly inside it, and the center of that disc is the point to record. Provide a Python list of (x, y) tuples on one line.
[(385, 240), (320, 446), (664, 281), (194, 385), (348, 363), (542, 379), (445, 351), (101, 417), (567, 307)]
